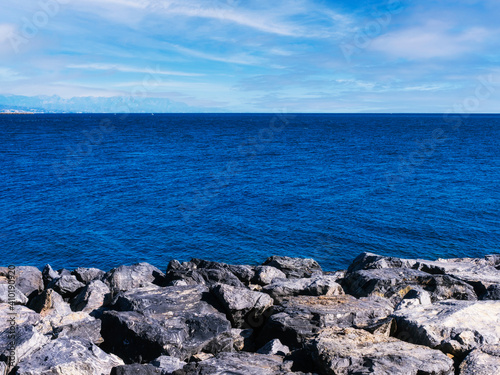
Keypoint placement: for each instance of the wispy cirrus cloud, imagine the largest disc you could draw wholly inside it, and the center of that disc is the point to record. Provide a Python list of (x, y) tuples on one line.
[(131, 69)]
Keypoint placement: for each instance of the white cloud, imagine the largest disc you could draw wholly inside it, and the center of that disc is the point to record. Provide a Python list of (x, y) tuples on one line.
[(130, 69), (432, 40), (8, 75)]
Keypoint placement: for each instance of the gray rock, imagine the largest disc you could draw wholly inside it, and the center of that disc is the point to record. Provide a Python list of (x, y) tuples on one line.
[(493, 260), (77, 325), (10, 293), (243, 273), (266, 274), (28, 279), (136, 369), (168, 364), (68, 357), (26, 338), (492, 293), (315, 286), (482, 361), (415, 297), (454, 327), (241, 363), (241, 304), (394, 283), (274, 347), (300, 318), (50, 303), (175, 321), (138, 275), (48, 274), (67, 286), (86, 275), (3, 368), (349, 351), (95, 295), (21, 315), (369, 261), (294, 267), (242, 339)]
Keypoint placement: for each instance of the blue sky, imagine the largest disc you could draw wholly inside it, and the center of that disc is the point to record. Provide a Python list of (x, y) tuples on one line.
[(258, 56)]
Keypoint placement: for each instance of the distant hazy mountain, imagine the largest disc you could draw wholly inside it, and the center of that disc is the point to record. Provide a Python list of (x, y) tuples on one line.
[(90, 104)]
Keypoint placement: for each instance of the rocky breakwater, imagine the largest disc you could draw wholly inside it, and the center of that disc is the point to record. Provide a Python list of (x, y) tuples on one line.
[(381, 316)]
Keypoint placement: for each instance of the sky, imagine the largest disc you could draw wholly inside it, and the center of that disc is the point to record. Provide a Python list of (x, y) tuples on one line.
[(429, 56)]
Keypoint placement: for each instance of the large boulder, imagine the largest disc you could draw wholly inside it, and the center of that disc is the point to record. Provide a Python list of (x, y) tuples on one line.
[(94, 296), (318, 285), (48, 274), (394, 283), (243, 273), (86, 275), (21, 342), (455, 327), (66, 285), (265, 275), (168, 364), (242, 304), (300, 318), (20, 314), (294, 267), (241, 363), (349, 351), (9, 293), (50, 303), (28, 279), (135, 276), (176, 321), (67, 357), (199, 271), (368, 261), (76, 325), (482, 361)]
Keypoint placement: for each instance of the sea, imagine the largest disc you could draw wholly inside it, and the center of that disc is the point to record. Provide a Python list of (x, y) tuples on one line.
[(102, 190)]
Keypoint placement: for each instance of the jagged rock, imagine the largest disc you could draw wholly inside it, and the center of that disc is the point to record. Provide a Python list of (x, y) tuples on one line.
[(242, 303), (242, 339), (48, 274), (138, 275), (28, 279), (476, 272), (299, 318), (315, 286), (266, 274), (76, 325), (368, 261), (86, 275), (352, 351), (493, 260), (454, 327), (68, 357), (167, 364), (176, 321), (26, 338), (10, 293), (394, 283), (243, 273), (415, 297), (482, 361), (50, 303), (21, 315), (66, 285), (274, 347), (492, 293), (136, 369), (95, 295), (241, 363), (294, 267)]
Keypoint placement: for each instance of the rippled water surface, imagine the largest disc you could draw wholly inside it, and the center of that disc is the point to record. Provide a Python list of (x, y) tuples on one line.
[(105, 190)]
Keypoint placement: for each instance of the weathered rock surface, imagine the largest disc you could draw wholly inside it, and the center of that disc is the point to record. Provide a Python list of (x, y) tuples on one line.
[(394, 283), (353, 351), (241, 304), (454, 327), (50, 303), (66, 285), (136, 369), (68, 357), (21, 315), (265, 275), (294, 267), (482, 361), (176, 321), (167, 364), (28, 279), (95, 295), (492, 293), (369, 261), (130, 277), (76, 325), (48, 274), (299, 318), (317, 285), (242, 339), (274, 347), (240, 364), (10, 293), (86, 275), (26, 338)]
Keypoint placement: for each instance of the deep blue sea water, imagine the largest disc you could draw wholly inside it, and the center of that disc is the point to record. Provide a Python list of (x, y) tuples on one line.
[(105, 190)]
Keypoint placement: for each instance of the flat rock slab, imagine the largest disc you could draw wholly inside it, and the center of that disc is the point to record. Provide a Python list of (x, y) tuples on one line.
[(299, 318), (68, 357), (452, 326), (394, 283), (240, 364), (482, 361), (320, 285), (346, 351), (176, 321)]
